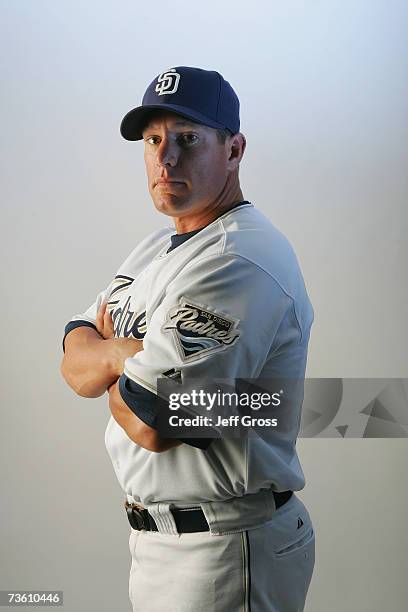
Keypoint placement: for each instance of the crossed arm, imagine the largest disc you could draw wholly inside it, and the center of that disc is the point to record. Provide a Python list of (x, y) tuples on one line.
[(92, 365)]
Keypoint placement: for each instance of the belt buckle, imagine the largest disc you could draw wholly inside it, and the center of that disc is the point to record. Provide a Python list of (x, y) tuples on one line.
[(135, 515)]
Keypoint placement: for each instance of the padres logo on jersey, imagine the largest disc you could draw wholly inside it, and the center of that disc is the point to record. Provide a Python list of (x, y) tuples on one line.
[(199, 331), (126, 322), (167, 82)]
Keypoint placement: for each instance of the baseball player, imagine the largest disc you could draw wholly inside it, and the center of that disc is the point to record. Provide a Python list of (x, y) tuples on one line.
[(216, 525)]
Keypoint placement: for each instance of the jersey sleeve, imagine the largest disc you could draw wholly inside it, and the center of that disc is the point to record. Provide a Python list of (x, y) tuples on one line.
[(219, 319), (120, 282), (87, 318)]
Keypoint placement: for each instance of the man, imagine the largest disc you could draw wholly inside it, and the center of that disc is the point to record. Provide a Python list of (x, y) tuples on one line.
[(216, 525)]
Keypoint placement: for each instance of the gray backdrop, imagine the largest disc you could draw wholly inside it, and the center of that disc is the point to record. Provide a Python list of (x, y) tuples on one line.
[(323, 92)]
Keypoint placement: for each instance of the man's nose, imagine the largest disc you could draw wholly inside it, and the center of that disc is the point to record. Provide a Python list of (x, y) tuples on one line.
[(167, 153)]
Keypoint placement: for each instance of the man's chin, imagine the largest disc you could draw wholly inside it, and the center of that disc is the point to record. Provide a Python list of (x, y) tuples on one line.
[(172, 206)]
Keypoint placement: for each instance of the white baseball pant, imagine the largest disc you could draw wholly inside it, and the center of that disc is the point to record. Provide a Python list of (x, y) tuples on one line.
[(262, 569)]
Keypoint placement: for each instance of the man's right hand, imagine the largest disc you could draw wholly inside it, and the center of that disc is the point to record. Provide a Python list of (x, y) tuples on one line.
[(104, 322), (120, 348)]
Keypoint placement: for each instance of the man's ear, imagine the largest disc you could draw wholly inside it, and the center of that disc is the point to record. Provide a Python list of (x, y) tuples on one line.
[(236, 148)]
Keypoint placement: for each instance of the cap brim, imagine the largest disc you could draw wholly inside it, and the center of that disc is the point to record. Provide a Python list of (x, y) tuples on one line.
[(133, 122)]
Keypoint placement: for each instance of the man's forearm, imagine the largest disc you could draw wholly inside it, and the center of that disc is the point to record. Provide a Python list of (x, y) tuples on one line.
[(89, 365), (137, 430)]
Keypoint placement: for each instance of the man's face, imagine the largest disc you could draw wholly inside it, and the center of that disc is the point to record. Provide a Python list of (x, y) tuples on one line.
[(187, 167)]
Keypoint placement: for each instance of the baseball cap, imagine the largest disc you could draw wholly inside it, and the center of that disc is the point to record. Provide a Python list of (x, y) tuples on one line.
[(201, 95)]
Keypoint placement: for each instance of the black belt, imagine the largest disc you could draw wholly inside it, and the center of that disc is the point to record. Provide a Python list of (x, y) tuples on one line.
[(188, 520)]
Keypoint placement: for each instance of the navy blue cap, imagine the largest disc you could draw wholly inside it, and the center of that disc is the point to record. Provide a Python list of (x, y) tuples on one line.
[(201, 95)]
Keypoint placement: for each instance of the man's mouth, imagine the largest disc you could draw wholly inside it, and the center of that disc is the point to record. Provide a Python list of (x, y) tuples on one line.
[(162, 182)]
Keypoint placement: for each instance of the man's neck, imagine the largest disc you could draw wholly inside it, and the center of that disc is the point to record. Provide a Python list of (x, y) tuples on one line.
[(189, 223)]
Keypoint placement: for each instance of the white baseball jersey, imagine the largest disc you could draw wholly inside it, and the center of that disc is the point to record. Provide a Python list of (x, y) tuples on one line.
[(228, 302)]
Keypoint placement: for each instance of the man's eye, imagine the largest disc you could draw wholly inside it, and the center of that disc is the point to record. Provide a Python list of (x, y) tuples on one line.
[(188, 138), (152, 139)]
